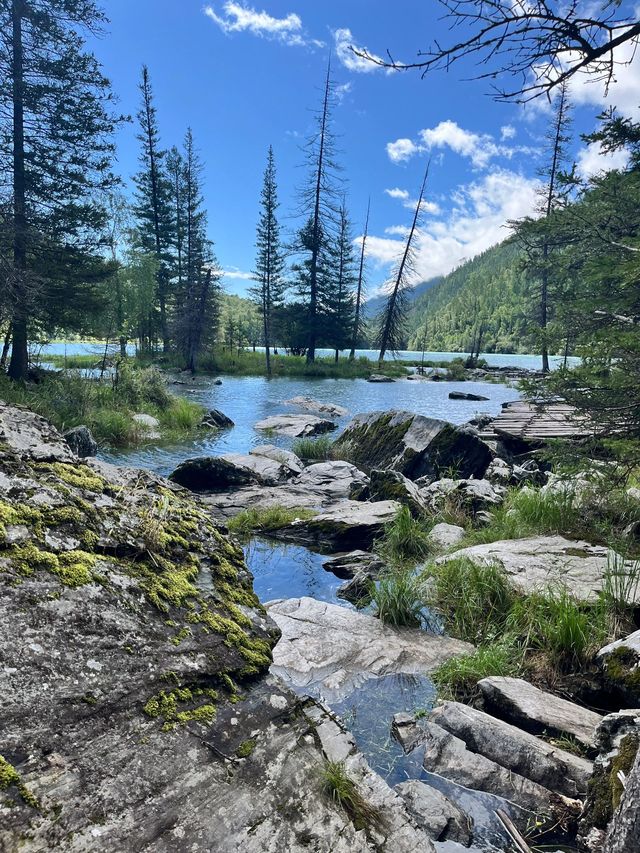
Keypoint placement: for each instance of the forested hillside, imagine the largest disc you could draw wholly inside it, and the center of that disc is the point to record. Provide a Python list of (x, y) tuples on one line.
[(491, 292)]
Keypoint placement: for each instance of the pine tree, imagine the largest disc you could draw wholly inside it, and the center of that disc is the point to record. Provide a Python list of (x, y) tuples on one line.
[(320, 203), (268, 294), (153, 207), (199, 317), (393, 321), (357, 320), (339, 304), (56, 149), (176, 175)]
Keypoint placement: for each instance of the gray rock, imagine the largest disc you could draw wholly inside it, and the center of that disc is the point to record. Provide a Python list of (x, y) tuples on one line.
[(462, 395), (379, 377), (514, 749), (329, 650), (346, 525), (217, 420), (634, 493), (448, 756), (624, 829), (537, 562), (358, 590), (620, 664), (394, 486), (445, 535), (219, 473), (436, 815), (279, 454), (81, 441), (26, 435), (522, 704), (407, 730), (499, 472), (414, 445), (320, 408), (348, 565), (296, 426), (468, 494), (148, 425)]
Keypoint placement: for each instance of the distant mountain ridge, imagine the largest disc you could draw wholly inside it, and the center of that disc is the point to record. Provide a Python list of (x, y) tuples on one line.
[(373, 306)]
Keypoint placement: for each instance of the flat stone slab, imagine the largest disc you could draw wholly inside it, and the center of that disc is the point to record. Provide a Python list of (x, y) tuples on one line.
[(522, 704), (279, 454), (296, 426), (346, 525), (317, 406), (515, 749), (329, 650), (539, 561)]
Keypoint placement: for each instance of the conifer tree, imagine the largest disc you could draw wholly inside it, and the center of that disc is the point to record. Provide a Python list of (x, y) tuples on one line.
[(320, 204), (199, 317), (357, 320), (393, 319), (268, 294), (153, 207), (55, 153), (176, 174), (339, 304)]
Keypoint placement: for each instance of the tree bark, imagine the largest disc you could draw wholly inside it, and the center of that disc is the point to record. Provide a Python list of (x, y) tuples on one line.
[(624, 830), (19, 364)]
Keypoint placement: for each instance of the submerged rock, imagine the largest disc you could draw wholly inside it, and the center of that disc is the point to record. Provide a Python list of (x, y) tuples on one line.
[(217, 420), (463, 395), (522, 704), (379, 377), (81, 441), (296, 426), (329, 650), (539, 561), (414, 445)]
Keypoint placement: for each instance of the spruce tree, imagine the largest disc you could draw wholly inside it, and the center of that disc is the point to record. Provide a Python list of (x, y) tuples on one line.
[(176, 175), (357, 320), (153, 207), (268, 294), (339, 298), (393, 320), (56, 149)]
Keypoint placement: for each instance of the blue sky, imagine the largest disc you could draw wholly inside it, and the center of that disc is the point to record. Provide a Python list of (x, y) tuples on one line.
[(247, 75)]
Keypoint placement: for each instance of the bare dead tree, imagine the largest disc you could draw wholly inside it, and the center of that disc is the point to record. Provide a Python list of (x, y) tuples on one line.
[(537, 43), (357, 324)]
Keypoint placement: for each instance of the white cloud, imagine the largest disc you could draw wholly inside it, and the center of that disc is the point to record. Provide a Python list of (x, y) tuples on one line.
[(624, 91), (239, 18), (475, 222), (401, 149), (344, 42), (236, 273), (342, 91), (507, 131), (396, 192), (591, 160), (479, 148)]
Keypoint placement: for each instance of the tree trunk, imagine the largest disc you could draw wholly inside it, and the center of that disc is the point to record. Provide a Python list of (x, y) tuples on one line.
[(5, 349), (356, 321), (19, 364), (544, 300), (624, 830)]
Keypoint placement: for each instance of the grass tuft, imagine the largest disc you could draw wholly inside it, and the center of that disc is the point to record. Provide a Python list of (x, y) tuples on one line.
[(405, 539), (344, 792), (263, 520), (458, 677), (399, 599)]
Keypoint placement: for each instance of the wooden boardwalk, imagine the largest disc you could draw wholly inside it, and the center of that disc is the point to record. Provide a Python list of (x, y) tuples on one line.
[(533, 422)]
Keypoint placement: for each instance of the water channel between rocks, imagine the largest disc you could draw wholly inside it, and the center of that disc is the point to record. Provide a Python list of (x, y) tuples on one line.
[(291, 571)]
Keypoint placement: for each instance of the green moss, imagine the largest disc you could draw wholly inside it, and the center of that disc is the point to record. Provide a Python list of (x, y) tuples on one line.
[(371, 444), (9, 776), (77, 475), (75, 568), (180, 636), (623, 669), (605, 788), (246, 748), (63, 515), (168, 707)]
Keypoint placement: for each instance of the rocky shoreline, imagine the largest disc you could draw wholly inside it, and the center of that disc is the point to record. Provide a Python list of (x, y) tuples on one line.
[(152, 702)]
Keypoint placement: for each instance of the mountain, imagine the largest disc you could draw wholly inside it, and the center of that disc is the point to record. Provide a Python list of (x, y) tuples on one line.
[(373, 306), (491, 290)]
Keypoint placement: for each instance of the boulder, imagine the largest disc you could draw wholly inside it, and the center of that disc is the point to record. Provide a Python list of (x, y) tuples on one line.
[(499, 472), (514, 749), (414, 445), (280, 455), (358, 590), (147, 425), (394, 486), (296, 426), (327, 650), (379, 377), (320, 408), (217, 420), (448, 756), (522, 704), (620, 663), (81, 441), (537, 562), (219, 473), (462, 395), (469, 495), (434, 813), (23, 434), (348, 565), (345, 525), (445, 535), (617, 740)]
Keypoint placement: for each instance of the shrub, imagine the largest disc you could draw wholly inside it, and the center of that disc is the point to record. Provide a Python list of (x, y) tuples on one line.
[(399, 599)]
